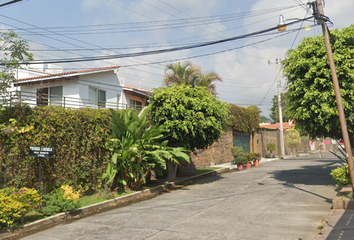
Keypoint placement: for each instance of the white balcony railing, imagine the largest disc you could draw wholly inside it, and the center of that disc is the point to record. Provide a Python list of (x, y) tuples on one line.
[(41, 99)]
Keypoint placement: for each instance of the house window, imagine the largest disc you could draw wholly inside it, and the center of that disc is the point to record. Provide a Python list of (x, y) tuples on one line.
[(50, 96), (136, 104), (97, 97)]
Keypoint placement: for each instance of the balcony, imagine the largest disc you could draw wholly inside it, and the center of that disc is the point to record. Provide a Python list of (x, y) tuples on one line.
[(43, 99)]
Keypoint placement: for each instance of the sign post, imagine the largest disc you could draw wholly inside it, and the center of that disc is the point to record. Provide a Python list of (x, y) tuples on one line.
[(40, 152)]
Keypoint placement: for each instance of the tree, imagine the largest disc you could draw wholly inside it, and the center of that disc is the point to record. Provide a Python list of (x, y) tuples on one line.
[(191, 75), (293, 139), (263, 119), (195, 117), (14, 50), (274, 114), (181, 74), (311, 96), (207, 80)]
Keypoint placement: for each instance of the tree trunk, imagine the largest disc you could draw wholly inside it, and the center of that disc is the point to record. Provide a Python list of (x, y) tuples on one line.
[(171, 170)]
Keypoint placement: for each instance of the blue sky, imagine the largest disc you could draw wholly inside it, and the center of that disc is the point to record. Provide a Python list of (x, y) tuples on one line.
[(81, 28)]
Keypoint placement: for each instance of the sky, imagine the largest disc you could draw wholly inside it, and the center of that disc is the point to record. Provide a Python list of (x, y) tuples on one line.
[(66, 29)]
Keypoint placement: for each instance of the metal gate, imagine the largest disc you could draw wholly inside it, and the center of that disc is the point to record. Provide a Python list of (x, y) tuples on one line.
[(242, 140)]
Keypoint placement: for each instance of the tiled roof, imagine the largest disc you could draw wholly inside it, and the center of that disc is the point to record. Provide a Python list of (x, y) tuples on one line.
[(55, 75), (276, 126), (137, 88)]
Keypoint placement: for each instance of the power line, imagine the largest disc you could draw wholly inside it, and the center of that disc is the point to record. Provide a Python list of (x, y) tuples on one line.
[(11, 2), (84, 59)]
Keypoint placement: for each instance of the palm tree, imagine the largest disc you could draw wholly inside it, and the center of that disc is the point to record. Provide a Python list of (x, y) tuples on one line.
[(192, 75), (207, 80), (181, 74)]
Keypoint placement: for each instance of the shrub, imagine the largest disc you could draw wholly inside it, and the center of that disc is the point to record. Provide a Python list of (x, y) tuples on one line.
[(60, 200), (241, 159), (271, 147), (79, 138), (236, 151), (14, 204), (341, 175)]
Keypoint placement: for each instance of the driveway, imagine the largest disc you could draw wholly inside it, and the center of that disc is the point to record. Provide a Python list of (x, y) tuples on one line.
[(281, 199)]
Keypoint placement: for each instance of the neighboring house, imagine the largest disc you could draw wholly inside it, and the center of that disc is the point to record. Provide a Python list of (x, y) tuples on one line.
[(97, 88), (276, 126)]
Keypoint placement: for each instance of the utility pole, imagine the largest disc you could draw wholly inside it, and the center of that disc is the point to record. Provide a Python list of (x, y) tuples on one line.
[(320, 17), (281, 133)]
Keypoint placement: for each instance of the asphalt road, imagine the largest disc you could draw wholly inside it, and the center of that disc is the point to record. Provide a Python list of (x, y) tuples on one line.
[(281, 199)]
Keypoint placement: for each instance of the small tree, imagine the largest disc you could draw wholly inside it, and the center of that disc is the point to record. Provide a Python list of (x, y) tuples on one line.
[(293, 139), (195, 117), (14, 50), (271, 147)]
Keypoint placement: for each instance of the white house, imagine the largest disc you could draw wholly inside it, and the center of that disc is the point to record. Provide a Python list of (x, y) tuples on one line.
[(98, 87)]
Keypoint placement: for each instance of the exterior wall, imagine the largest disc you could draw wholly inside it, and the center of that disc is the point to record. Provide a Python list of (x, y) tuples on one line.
[(218, 153)]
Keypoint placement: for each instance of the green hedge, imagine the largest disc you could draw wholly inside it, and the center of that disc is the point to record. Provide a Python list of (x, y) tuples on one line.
[(79, 138)]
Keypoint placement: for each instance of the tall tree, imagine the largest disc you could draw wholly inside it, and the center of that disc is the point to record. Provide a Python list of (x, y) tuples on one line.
[(207, 80), (180, 74), (274, 111), (311, 96), (13, 50), (192, 75)]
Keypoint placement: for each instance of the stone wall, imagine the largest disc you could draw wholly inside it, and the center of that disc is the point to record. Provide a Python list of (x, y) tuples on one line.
[(218, 153)]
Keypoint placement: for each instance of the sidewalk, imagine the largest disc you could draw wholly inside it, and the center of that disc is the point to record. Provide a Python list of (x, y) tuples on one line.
[(339, 225)]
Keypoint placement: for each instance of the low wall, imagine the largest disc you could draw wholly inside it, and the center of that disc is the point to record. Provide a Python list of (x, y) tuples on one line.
[(218, 153)]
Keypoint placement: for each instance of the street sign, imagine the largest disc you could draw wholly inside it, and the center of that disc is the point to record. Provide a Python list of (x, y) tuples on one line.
[(41, 152)]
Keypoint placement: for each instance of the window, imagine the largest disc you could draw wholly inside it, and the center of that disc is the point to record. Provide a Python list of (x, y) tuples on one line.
[(50, 96), (97, 97), (136, 104)]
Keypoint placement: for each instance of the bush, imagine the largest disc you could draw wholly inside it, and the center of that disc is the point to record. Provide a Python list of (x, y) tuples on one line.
[(60, 200), (236, 151), (79, 138), (14, 204), (271, 147), (341, 175), (241, 159)]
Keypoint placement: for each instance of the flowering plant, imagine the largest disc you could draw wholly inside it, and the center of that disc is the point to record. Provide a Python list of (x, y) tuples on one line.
[(15, 203)]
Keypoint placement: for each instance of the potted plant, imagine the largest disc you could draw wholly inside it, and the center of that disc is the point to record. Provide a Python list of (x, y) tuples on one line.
[(256, 159), (249, 157), (235, 152), (271, 147), (240, 161)]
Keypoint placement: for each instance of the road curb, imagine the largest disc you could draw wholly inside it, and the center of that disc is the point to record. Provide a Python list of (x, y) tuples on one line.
[(106, 205)]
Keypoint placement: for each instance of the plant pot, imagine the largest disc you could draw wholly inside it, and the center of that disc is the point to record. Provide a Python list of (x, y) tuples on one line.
[(256, 163), (240, 166), (249, 164)]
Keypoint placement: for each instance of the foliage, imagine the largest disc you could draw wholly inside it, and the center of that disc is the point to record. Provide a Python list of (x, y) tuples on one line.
[(241, 159), (14, 50), (79, 139), (263, 119), (274, 111), (195, 118), (15, 203), (244, 119), (271, 147), (191, 75), (254, 156), (69, 193), (236, 151), (311, 96), (341, 175), (293, 138), (138, 148), (56, 202)]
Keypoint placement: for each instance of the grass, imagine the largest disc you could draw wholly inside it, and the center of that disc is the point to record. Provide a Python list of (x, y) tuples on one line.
[(104, 194)]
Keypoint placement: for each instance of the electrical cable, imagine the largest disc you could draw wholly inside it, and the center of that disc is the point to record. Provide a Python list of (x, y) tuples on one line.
[(157, 51)]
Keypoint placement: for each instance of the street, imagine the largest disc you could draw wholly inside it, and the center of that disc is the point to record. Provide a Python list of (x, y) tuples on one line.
[(280, 200)]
